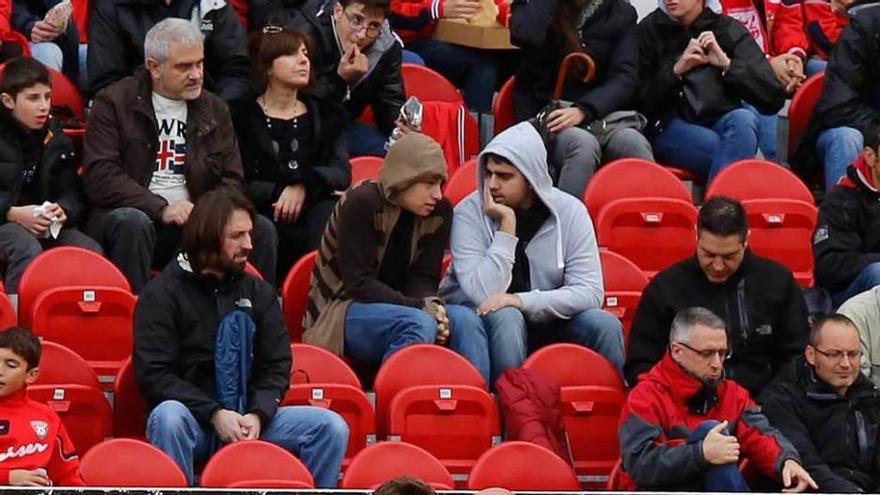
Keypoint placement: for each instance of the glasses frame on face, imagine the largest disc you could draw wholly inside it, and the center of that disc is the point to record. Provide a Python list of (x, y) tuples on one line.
[(723, 354), (358, 22), (836, 355)]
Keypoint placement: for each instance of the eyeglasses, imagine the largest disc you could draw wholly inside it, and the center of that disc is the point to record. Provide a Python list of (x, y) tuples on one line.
[(292, 164), (359, 22), (836, 355), (723, 354)]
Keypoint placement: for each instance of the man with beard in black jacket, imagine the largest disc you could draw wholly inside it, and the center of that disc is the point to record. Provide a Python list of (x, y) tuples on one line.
[(200, 326), (758, 298), (829, 411)]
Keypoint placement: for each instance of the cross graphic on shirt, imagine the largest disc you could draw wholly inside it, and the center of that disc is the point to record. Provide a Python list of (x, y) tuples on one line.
[(170, 156)]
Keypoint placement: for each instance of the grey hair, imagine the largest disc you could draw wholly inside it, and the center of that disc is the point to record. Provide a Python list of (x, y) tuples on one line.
[(157, 43), (686, 319)]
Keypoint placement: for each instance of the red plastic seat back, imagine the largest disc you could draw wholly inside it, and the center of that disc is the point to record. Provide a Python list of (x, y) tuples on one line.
[(252, 270), (96, 322), (503, 107), (7, 312), (65, 93), (631, 178), (365, 168), (61, 365), (522, 466), (125, 462), (250, 460), (84, 411), (295, 295), (624, 284), (463, 182), (60, 267), (801, 108), (312, 364), (782, 230), (759, 179), (386, 461), (129, 409), (591, 415), (428, 85), (565, 364), (422, 364)]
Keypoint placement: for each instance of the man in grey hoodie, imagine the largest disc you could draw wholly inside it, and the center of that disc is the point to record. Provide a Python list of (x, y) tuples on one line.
[(525, 254)]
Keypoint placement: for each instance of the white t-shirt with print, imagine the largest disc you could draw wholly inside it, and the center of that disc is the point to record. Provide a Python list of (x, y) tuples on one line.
[(168, 180)]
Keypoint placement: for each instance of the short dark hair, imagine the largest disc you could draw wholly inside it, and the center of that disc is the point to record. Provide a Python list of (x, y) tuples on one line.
[(724, 217), (404, 486), (819, 324), (24, 343), (382, 7), (274, 41), (203, 233), (23, 73)]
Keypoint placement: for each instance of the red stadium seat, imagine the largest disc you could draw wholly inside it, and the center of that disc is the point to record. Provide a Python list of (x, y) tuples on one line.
[(614, 478), (631, 178), (462, 182), (801, 108), (7, 312), (295, 295), (61, 267), (252, 270), (84, 411), (123, 462), (96, 322), (129, 409), (428, 85), (780, 212), (591, 405), (81, 18), (365, 168), (624, 283), (503, 107), (65, 93), (389, 460), (312, 364), (522, 466), (60, 365), (254, 463)]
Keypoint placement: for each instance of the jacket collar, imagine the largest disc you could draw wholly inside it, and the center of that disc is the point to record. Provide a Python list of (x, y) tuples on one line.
[(858, 176), (681, 385), (198, 117), (744, 267), (16, 398), (183, 269), (818, 390)]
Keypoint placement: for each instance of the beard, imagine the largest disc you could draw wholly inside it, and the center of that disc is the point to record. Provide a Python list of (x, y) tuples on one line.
[(232, 267)]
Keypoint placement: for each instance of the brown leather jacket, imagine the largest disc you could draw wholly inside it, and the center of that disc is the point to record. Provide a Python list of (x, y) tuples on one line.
[(121, 141)]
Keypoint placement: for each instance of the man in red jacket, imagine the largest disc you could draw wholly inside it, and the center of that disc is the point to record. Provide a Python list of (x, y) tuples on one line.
[(34, 447), (685, 427), (809, 30)]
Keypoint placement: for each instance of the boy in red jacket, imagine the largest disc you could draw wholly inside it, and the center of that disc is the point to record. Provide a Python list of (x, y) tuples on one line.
[(34, 447)]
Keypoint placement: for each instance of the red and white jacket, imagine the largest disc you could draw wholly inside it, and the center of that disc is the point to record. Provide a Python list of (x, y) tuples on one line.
[(806, 27), (749, 16), (31, 437)]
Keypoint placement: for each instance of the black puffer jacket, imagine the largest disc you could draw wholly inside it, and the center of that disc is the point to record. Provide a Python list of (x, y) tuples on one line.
[(837, 437), (608, 35), (381, 88), (266, 178), (26, 13), (175, 324), (56, 169), (761, 303), (117, 29), (662, 41)]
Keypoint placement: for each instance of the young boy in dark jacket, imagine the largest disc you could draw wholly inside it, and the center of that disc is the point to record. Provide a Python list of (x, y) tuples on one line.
[(34, 447), (37, 166)]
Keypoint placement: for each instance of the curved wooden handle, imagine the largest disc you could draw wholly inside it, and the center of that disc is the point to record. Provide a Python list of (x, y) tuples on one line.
[(562, 75)]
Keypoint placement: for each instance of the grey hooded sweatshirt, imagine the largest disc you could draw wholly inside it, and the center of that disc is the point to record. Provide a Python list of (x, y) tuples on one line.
[(564, 267)]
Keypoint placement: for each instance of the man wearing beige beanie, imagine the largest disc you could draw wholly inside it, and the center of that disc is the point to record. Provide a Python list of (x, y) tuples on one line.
[(374, 287)]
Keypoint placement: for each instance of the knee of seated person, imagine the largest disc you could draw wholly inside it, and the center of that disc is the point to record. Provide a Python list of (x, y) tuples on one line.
[(169, 417), (872, 272), (599, 320), (506, 317), (264, 228), (130, 219), (336, 428), (425, 324), (743, 117)]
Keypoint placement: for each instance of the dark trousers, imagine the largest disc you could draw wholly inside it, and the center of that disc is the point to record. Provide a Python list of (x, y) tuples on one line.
[(18, 248), (296, 239), (723, 478), (135, 243), (476, 72)]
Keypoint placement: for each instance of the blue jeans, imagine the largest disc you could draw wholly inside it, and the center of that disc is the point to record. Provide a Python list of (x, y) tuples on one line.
[(707, 150), (815, 66), (317, 436), (375, 331), (838, 148), (509, 334), (472, 70), (410, 57), (723, 478), (767, 128), (48, 54), (868, 279), (364, 139)]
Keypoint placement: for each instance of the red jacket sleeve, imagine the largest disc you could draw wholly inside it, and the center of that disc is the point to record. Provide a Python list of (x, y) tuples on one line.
[(63, 466), (5, 14), (788, 30), (762, 444)]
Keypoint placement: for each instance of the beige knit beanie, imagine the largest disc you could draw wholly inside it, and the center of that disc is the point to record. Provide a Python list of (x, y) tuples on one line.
[(413, 158)]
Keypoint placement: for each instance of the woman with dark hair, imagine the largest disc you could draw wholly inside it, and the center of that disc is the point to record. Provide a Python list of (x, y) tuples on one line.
[(292, 145), (600, 125)]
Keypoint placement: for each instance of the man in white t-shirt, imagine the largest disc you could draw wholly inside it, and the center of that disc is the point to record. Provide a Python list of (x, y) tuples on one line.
[(155, 142)]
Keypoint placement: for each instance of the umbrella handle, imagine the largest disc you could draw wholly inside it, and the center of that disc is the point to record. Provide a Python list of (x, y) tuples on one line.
[(565, 67)]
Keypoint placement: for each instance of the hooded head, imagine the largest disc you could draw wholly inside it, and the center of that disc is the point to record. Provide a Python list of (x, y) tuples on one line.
[(520, 150), (413, 173)]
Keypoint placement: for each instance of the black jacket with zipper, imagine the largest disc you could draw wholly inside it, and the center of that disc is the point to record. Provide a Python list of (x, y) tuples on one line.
[(175, 326), (836, 436), (761, 303), (662, 40), (56, 174)]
